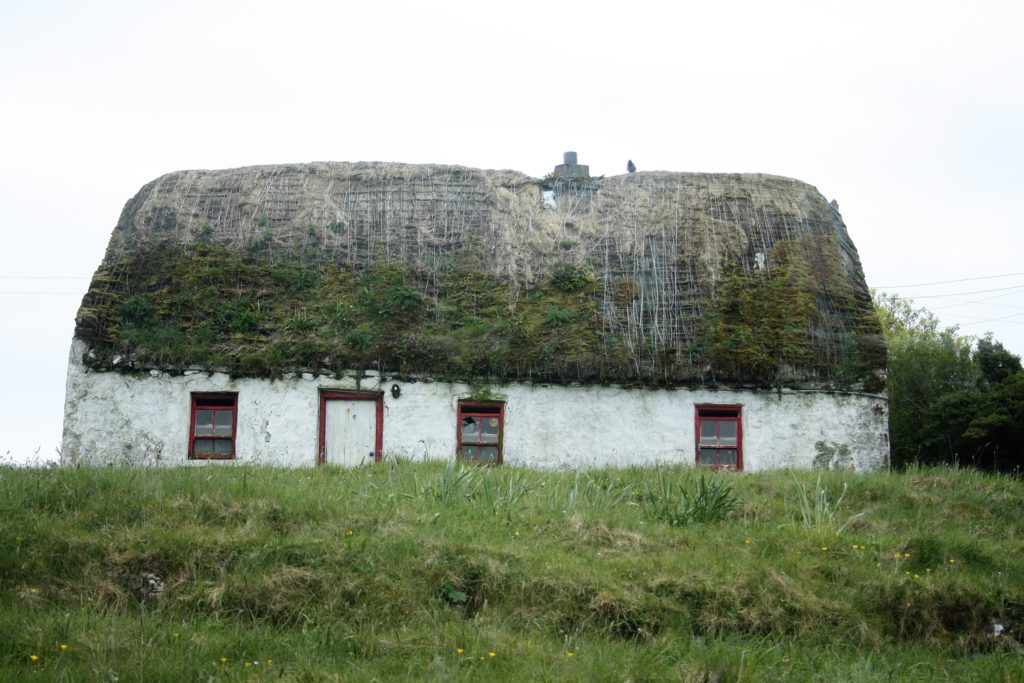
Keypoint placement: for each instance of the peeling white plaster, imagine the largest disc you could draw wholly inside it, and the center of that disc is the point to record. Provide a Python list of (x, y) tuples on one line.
[(144, 419)]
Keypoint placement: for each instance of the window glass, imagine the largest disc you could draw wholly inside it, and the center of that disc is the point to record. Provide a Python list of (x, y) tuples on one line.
[(708, 456), (490, 430), (470, 427), (727, 456), (222, 422), (708, 432), (727, 432), (489, 453), (204, 423), (222, 447)]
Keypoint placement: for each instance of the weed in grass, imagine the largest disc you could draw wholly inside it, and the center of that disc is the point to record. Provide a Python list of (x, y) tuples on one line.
[(708, 500), (818, 512)]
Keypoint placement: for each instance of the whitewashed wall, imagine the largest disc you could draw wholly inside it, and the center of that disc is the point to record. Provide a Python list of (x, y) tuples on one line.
[(144, 419)]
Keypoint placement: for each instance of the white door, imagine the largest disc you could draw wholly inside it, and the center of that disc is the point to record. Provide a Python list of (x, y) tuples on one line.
[(350, 432)]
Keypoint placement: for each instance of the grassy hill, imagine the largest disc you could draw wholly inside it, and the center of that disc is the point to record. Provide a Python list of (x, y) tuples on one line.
[(432, 572)]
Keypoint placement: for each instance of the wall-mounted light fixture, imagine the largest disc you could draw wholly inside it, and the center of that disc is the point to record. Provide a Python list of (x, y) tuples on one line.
[(396, 390)]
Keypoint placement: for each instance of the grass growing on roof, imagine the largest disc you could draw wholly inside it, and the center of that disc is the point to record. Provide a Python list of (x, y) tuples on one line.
[(422, 571), (172, 307)]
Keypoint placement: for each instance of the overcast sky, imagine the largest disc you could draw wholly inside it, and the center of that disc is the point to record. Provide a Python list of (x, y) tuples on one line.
[(910, 114)]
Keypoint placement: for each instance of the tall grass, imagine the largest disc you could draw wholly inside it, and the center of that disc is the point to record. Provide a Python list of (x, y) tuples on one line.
[(818, 511), (420, 571)]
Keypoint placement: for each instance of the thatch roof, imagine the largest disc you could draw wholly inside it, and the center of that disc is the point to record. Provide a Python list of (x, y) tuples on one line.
[(653, 277)]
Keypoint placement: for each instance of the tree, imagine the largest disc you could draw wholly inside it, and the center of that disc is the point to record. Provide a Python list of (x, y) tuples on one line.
[(949, 402), (925, 362)]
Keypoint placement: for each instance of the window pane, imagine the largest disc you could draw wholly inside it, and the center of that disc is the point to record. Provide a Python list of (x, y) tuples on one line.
[(727, 431), (222, 422), (222, 446), (204, 423), (490, 429), (488, 454), (469, 452), (727, 456), (709, 456), (204, 446), (471, 428), (709, 432)]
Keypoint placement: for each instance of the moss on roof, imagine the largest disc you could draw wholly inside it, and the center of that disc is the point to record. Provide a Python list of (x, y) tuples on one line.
[(447, 272)]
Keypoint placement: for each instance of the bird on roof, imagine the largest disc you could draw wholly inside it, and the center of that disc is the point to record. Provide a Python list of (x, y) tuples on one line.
[(630, 166)]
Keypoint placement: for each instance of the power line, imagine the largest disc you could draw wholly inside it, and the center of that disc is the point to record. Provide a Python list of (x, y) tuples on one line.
[(946, 282), (1005, 319), (954, 294), (42, 277), (29, 291)]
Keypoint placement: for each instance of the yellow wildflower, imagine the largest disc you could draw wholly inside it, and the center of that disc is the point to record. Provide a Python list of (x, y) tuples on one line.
[(824, 548), (223, 660), (63, 646), (906, 554), (33, 590), (491, 654), (747, 541), (348, 533), (568, 654), (34, 658)]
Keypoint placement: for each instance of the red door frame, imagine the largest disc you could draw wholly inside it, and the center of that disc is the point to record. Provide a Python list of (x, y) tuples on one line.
[(326, 395), (738, 418)]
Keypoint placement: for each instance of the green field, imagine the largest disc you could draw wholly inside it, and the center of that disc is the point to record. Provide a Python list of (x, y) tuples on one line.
[(406, 571)]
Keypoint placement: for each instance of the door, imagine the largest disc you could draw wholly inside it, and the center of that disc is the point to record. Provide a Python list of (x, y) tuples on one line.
[(350, 428)]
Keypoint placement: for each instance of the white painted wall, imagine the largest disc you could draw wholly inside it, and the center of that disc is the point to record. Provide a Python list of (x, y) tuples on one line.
[(144, 419)]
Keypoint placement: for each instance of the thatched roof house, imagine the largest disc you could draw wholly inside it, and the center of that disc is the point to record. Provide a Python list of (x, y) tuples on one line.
[(360, 276)]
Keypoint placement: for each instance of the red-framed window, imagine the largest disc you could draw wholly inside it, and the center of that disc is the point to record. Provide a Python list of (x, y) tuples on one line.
[(720, 436), (212, 428), (481, 427)]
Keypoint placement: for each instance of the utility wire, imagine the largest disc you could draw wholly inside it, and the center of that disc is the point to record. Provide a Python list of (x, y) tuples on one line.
[(954, 294), (42, 277), (946, 282)]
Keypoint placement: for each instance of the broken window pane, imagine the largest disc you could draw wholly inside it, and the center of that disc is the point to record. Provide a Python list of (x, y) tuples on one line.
[(470, 427)]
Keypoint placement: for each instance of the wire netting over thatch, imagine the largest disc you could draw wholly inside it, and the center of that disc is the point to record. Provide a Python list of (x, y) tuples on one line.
[(665, 277)]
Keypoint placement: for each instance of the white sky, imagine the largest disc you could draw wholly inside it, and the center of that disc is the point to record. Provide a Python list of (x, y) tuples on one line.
[(910, 114)]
